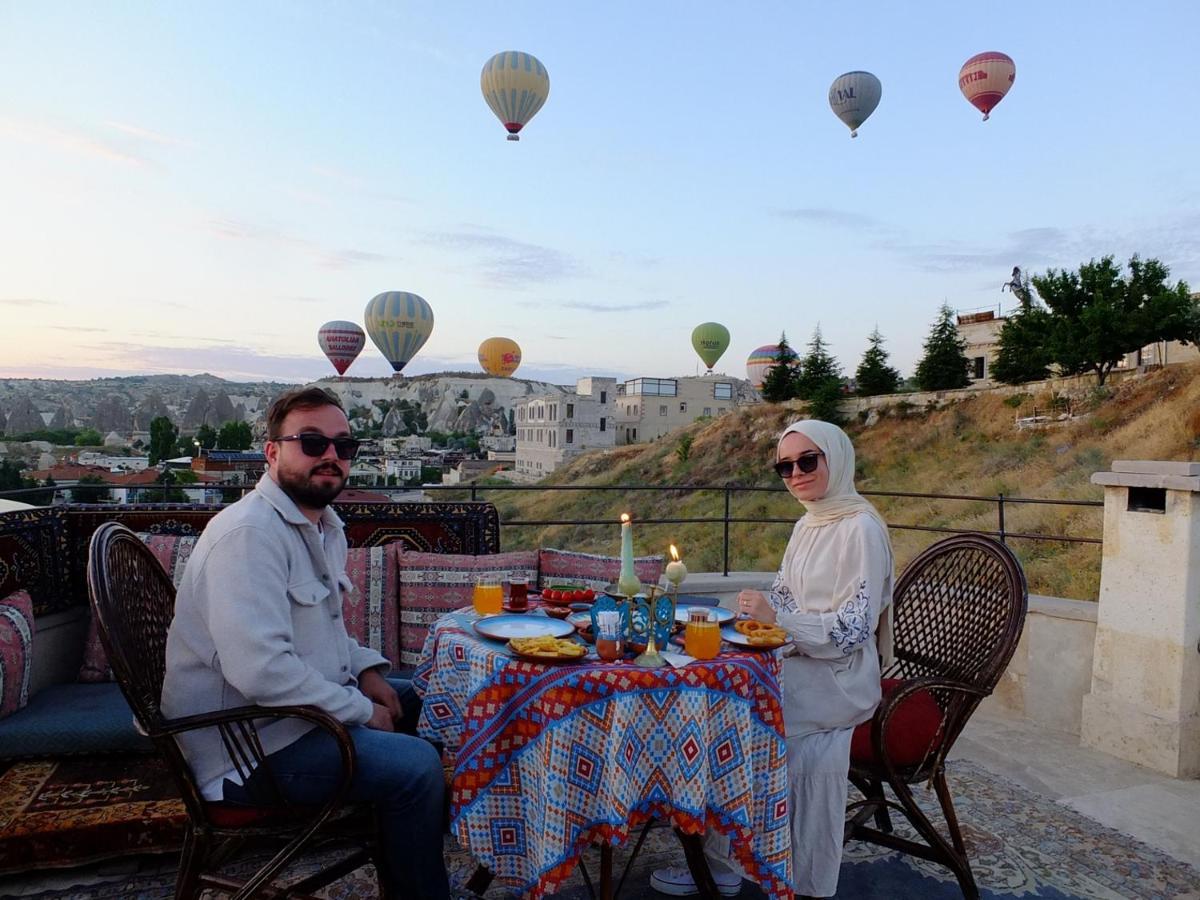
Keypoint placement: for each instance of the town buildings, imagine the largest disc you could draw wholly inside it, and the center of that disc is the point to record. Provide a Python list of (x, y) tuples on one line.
[(553, 429), (648, 408)]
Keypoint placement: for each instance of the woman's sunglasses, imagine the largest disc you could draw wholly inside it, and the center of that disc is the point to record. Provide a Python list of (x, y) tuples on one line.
[(806, 463), (313, 444)]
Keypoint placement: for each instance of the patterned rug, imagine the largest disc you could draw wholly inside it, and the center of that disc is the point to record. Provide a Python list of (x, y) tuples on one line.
[(1022, 846)]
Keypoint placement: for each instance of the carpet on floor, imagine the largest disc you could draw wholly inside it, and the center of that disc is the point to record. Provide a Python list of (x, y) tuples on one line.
[(1022, 846)]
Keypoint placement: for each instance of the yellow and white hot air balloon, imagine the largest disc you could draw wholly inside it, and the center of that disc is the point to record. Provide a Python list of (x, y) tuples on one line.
[(399, 323), (515, 85), (985, 78), (499, 356)]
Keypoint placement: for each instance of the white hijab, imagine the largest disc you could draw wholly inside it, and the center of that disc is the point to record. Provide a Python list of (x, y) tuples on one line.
[(842, 500)]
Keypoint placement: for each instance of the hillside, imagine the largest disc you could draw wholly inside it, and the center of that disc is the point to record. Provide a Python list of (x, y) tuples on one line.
[(972, 447)]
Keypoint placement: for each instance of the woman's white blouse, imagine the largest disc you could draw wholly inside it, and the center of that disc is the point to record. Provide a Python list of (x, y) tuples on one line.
[(833, 582)]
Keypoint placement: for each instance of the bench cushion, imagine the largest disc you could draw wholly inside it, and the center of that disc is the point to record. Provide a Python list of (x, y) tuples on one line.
[(72, 718), (433, 584), (172, 552), (16, 651), (370, 609), (597, 572)]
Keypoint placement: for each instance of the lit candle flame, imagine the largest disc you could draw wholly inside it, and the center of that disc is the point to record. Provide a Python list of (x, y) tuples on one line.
[(674, 553), (624, 518)]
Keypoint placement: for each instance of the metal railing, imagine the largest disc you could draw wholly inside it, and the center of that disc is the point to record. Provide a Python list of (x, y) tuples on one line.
[(1002, 503)]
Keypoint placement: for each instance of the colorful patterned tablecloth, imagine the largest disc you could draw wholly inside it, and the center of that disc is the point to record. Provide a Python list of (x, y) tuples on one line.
[(549, 758)]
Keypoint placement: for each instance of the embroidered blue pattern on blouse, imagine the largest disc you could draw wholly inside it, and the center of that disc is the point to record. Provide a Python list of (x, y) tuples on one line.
[(853, 624), (780, 596)]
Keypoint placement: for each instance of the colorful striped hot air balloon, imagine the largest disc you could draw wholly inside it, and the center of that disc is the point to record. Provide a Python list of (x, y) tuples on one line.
[(515, 85), (759, 361), (710, 340), (985, 78), (341, 342), (853, 97), (399, 323), (499, 356)]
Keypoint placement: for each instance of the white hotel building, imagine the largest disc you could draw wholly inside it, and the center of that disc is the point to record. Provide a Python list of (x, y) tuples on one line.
[(552, 429)]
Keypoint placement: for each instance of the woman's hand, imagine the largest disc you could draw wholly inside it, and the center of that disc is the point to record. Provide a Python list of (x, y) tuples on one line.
[(754, 604)]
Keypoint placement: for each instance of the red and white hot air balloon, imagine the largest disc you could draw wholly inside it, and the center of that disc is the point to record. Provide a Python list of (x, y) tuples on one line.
[(985, 78), (341, 341)]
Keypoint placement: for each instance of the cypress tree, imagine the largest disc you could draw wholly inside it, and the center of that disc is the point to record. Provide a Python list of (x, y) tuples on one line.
[(944, 365), (818, 368), (779, 383), (874, 375)]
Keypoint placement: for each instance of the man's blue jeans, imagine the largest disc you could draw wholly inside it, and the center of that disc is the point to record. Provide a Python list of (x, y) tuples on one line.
[(399, 774)]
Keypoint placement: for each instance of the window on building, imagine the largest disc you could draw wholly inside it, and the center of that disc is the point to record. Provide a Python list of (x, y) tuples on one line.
[(977, 366), (723, 390), (570, 435), (570, 410), (662, 410), (683, 407), (652, 387), (708, 410), (602, 423), (635, 434), (604, 396)]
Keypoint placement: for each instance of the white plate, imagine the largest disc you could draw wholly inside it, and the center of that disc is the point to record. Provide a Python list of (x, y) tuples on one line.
[(730, 634), (503, 628), (720, 613)]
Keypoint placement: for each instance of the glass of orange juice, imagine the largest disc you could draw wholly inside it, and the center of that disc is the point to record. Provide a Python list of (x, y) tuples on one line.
[(702, 637), (488, 597)]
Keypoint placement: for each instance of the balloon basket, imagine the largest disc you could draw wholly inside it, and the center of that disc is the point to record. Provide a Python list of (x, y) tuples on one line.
[(513, 137)]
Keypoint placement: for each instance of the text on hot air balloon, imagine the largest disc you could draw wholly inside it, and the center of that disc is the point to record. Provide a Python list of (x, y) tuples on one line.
[(395, 323), (977, 75), (843, 95)]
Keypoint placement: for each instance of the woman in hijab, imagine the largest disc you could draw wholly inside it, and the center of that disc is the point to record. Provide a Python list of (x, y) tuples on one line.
[(833, 596)]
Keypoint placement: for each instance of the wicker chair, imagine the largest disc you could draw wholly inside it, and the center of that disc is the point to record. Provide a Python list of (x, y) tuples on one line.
[(133, 601), (959, 611)]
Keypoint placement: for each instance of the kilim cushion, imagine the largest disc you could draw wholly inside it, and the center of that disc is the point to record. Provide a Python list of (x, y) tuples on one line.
[(172, 551), (16, 651), (70, 812), (597, 572), (370, 609), (433, 584), (913, 730)]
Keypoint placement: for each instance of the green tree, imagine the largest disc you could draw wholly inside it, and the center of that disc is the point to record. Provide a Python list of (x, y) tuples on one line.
[(944, 365), (1024, 353), (91, 489), (169, 494), (874, 375), (818, 368), (163, 436), (207, 436), (10, 476), (826, 402), (779, 381), (683, 450), (1099, 314), (89, 437), (234, 436)]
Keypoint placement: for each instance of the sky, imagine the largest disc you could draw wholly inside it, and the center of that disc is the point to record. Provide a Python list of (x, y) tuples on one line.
[(197, 187)]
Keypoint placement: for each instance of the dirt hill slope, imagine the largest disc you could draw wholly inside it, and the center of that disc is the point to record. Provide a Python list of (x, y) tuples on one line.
[(972, 447)]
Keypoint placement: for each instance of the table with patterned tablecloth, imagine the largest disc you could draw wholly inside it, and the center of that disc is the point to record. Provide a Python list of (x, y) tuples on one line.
[(549, 758)]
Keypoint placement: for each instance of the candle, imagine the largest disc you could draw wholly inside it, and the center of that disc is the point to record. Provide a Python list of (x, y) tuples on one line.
[(676, 570), (628, 582)]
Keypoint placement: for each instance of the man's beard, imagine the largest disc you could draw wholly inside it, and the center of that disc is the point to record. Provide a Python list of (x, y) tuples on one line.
[(306, 493)]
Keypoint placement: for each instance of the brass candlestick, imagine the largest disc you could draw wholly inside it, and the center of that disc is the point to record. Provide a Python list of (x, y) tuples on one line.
[(651, 658)]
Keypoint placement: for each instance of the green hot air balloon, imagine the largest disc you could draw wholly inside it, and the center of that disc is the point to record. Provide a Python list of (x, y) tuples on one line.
[(709, 341)]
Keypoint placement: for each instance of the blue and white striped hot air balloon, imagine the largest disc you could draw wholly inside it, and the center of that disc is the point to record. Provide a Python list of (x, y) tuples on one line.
[(515, 85), (399, 323)]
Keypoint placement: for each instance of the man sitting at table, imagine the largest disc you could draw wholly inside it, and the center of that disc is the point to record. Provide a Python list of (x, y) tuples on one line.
[(258, 620)]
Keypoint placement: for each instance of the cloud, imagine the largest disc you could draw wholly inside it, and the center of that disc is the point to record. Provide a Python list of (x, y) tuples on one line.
[(78, 328), (74, 142), (836, 218), (26, 301), (635, 259), (615, 307), (145, 134), (329, 257), (506, 261)]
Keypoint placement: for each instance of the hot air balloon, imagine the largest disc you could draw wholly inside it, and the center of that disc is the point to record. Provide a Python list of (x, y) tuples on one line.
[(515, 85), (499, 356), (710, 340), (985, 78), (341, 341), (759, 361), (853, 97), (399, 323)]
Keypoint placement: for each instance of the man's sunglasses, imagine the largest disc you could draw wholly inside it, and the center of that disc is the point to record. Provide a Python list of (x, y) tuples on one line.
[(806, 463), (313, 444)]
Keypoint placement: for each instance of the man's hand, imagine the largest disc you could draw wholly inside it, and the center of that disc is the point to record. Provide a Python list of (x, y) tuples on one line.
[(381, 719), (379, 692), (754, 604)]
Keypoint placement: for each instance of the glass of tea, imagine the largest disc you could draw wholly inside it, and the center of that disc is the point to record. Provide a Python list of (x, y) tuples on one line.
[(518, 593)]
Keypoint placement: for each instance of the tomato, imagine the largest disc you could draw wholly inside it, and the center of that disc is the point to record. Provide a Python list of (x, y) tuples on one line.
[(589, 595), (578, 594), (549, 594)]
